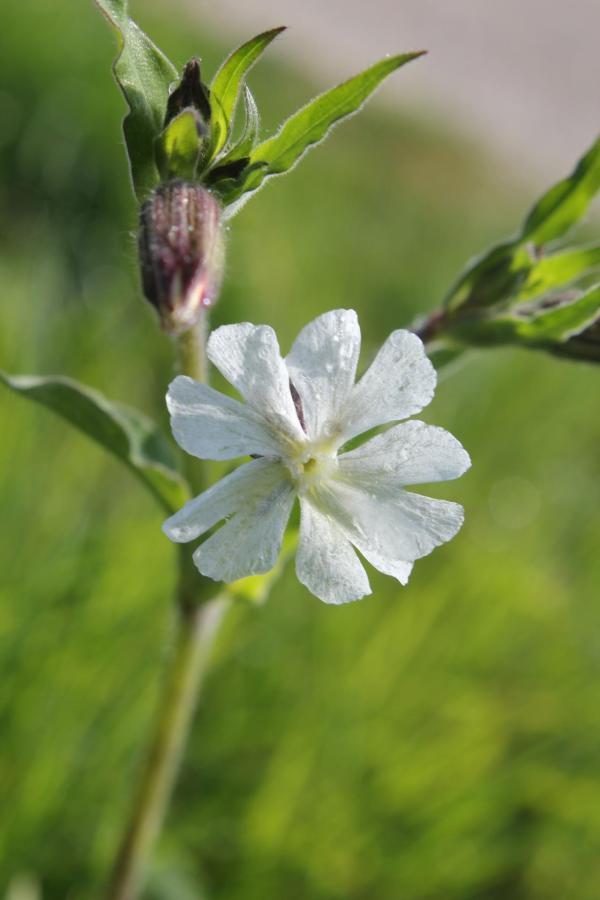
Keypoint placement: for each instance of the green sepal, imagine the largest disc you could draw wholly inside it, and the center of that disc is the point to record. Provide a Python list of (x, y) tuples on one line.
[(177, 149), (309, 126), (144, 75), (125, 432)]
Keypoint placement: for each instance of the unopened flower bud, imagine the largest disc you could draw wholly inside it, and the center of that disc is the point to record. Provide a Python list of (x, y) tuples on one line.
[(181, 252)]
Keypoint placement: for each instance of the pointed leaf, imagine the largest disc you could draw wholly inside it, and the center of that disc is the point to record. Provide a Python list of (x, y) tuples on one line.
[(566, 202), (227, 83), (311, 124), (131, 436), (144, 75), (505, 273)]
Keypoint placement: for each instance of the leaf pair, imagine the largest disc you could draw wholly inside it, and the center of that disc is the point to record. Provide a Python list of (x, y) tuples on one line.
[(519, 269), (518, 293), (188, 133), (308, 127)]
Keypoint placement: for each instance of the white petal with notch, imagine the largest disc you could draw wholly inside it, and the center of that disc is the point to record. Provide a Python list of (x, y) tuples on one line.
[(322, 366)]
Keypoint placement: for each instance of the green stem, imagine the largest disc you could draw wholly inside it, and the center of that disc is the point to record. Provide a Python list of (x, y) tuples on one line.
[(198, 623), (192, 350), (197, 630), (194, 362)]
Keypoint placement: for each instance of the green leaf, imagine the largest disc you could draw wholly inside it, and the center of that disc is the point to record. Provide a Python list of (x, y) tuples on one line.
[(218, 136), (131, 436), (177, 148), (144, 75), (558, 270), (546, 326), (508, 272), (494, 277), (249, 135), (312, 124), (227, 83), (566, 202), (560, 322)]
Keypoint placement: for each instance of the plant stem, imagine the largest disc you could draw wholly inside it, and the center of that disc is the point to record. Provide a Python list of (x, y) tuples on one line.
[(198, 623), (194, 362), (197, 630), (429, 328), (192, 350)]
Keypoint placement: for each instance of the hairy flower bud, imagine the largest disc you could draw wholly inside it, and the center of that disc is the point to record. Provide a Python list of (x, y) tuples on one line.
[(181, 252)]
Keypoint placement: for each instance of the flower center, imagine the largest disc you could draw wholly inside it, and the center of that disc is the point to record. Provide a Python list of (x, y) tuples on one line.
[(311, 467)]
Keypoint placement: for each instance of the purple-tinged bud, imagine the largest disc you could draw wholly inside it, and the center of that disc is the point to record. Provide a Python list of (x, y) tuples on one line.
[(181, 252)]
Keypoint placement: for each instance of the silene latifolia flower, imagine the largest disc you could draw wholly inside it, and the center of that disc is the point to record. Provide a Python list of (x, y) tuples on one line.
[(298, 415)]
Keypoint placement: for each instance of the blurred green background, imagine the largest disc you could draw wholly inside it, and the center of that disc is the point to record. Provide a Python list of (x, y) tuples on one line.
[(439, 742)]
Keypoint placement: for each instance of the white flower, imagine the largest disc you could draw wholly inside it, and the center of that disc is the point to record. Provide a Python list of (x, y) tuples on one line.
[(298, 415)]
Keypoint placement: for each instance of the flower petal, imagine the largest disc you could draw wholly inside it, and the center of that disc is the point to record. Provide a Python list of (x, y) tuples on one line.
[(249, 358), (411, 453), (245, 486), (397, 568), (322, 366), (249, 543), (390, 521), (211, 425), (325, 561), (399, 383)]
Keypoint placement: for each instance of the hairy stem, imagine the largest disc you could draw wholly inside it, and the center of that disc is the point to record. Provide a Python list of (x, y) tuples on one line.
[(198, 623)]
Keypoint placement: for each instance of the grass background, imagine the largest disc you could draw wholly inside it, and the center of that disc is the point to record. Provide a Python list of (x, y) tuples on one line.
[(440, 742)]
